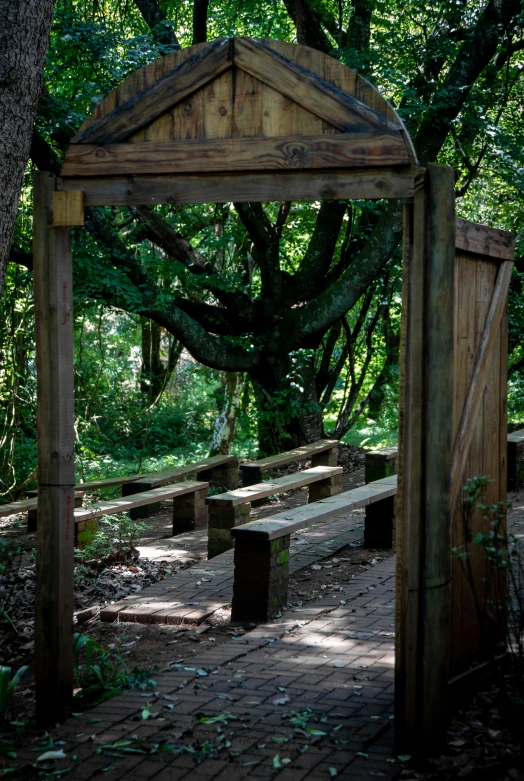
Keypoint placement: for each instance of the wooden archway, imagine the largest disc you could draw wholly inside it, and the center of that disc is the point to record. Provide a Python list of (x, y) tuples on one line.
[(257, 120)]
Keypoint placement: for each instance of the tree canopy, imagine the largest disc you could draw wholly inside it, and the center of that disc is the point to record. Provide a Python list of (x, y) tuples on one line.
[(302, 298)]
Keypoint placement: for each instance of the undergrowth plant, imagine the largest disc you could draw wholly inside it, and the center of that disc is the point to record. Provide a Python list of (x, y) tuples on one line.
[(100, 674), (8, 685), (500, 608), (117, 534)]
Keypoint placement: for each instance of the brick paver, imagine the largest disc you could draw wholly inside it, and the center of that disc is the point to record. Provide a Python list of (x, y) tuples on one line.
[(307, 696), (194, 594)]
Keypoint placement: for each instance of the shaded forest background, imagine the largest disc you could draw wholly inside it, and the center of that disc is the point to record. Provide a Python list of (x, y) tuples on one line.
[(249, 327)]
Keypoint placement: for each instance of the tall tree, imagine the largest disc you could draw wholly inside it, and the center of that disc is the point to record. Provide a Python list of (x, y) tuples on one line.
[(24, 39), (259, 306)]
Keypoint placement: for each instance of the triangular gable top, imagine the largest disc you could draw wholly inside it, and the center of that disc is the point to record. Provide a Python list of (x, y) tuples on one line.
[(338, 120)]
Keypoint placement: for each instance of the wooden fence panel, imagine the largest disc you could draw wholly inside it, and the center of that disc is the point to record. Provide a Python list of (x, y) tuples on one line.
[(476, 278)]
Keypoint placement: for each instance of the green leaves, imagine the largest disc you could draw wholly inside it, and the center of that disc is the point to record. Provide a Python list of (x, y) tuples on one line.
[(8, 685)]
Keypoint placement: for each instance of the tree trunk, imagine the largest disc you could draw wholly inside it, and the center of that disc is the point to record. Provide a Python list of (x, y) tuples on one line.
[(152, 372), (229, 397), (289, 414), (24, 38)]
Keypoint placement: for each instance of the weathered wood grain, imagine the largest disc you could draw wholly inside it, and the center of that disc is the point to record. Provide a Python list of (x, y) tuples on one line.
[(307, 89), (199, 156), (437, 415), (483, 240), (68, 208), (478, 379), (53, 285), (152, 101), (258, 187)]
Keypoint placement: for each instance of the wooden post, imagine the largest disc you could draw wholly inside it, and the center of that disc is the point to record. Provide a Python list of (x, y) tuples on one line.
[(56, 472), (425, 447)]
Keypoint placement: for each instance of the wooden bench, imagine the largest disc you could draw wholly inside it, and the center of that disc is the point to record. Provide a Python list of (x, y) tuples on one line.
[(30, 506), (233, 508), (189, 509), (219, 471), (322, 453), (262, 548)]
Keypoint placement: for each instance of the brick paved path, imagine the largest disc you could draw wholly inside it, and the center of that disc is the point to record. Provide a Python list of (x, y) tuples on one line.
[(194, 594), (309, 696)]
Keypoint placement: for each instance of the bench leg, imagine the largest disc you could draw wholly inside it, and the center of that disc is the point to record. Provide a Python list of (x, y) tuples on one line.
[(377, 467), (251, 476), (261, 579), (327, 458), (224, 477), (324, 488), (190, 512), (515, 462), (221, 521), (379, 524), (146, 510), (85, 532)]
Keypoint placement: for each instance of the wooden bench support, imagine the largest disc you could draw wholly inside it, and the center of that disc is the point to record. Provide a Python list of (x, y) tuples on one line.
[(379, 524), (85, 532), (190, 512), (515, 460), (221, 520), (261, 578), (224, 476), (325, 488), (139, 486), (380, 463)]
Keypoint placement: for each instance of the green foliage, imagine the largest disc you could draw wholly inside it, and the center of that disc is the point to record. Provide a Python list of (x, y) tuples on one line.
[(100, 674), (8, 685)]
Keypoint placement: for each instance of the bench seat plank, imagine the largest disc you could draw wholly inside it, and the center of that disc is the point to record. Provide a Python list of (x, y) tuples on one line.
[(108, 482), (269, 487), (25, 504), (298, 518), (138, 500), (157, 479), (300, 453)]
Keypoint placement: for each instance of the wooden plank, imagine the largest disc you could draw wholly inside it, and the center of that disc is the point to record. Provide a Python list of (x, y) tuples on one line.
[(478, 379), (268, 487), (169, 475), (435, 605), (483, 240), (409, 505), (68, 208), (257, 187), (55, 433), (298, 518), (147, 104), (307, 89), (298, 454), (229, 154), (17, 507), (138, 500)]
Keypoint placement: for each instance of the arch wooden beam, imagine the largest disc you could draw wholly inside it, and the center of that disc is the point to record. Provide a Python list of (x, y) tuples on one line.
[(308, 90), (232, 154), (148, 104)]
